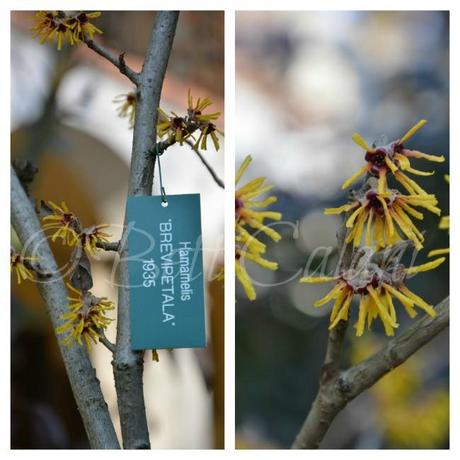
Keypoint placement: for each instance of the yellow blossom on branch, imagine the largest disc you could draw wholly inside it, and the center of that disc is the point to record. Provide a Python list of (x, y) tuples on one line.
[(90, 237), (178, 128), (393, 158), (65, 28), (21, 266), (376, 289), (63, 221), (86, 318), (249, 212), (173, 126), (82, 28), (378, 216)]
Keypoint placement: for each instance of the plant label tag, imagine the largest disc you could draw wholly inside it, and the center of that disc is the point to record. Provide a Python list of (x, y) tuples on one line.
[(165, 267)]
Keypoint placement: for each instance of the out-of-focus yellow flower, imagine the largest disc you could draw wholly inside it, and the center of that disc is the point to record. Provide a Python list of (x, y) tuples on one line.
[(394, 158), (410, 413), (377, 288), (18, 265), (63, 221), (62, 28), (86, 318), (378, 215), (248, 213), (127, 106), (89, 238), (444, 224)]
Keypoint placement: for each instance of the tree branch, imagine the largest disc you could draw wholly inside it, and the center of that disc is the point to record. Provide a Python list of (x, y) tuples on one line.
[(82, 376), (119, 62), (355, 380), (106, 342), (162, 146), (128, 364), (211, 171), (336, 393)]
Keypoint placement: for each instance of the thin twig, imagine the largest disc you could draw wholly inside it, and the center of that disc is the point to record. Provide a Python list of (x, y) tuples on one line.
[(211, 171), (105, 341), (82, 376), (336, 393), (162, 146), (119, 62), (108, 246), (128, 364)]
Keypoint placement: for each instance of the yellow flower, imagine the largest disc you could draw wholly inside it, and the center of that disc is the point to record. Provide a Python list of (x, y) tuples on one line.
[(81, 27), (248, 213), (127, 108), (376, 288), (63, 221), (50, 26), (378, 215), (195, 111), (208, 129), (85, 319), (173, 126), (19, 265), (394, 158), (402, 396), (444, 224), (73, 28), (89, 238), (179, 128)]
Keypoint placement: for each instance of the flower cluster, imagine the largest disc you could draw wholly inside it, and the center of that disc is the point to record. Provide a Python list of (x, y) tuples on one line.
[(376, 287), (86, 318), (177, 128), (249, 213), (383, 218), (67, 228), (65, 28)]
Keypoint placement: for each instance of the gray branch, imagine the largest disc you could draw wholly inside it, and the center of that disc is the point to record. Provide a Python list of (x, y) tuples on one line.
[(211, 171), (128, 364), (82, 376), (118, 62), (336, 392)]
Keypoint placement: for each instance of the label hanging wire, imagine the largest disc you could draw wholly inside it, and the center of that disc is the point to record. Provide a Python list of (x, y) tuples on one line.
[(162, 189)]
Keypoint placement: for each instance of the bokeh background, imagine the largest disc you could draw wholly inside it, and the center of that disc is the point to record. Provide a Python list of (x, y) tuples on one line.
[(305, 82), (64, 121)]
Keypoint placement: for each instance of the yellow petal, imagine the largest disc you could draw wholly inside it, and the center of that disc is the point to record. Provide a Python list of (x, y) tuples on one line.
[(412, 131), (355, 176), (318, 279), (425, 267), (357, 138), (242, 168)]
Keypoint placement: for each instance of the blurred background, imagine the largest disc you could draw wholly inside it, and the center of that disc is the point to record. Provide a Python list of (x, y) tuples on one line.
[(306, 81), (63, 119)]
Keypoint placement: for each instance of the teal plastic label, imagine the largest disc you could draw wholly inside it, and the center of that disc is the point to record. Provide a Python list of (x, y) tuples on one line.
[(166, 272)]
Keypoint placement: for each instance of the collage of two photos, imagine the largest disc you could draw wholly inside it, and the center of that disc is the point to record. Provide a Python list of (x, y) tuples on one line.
[(119, 230)]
